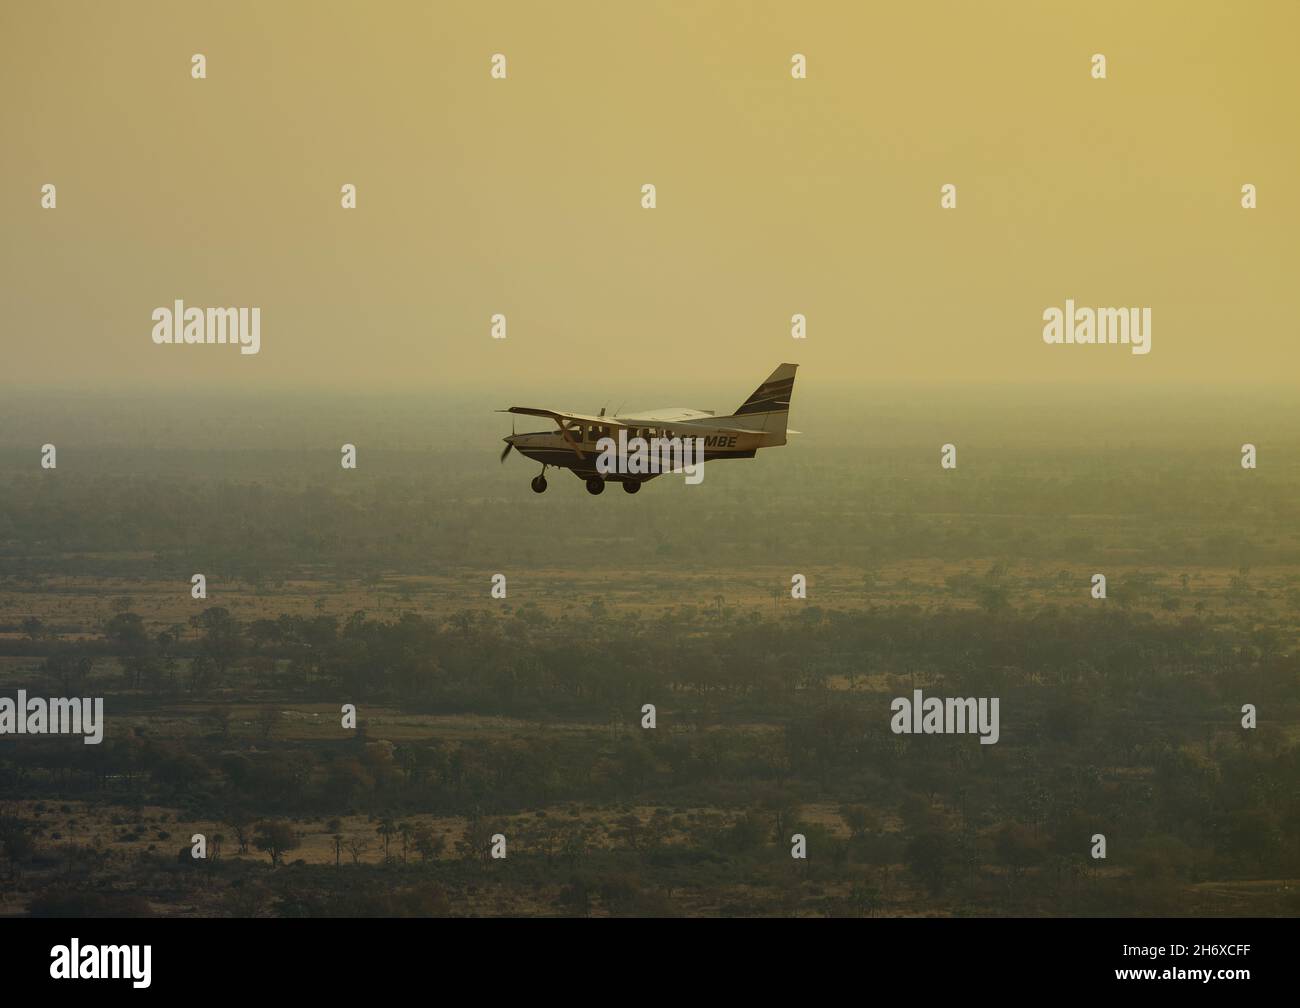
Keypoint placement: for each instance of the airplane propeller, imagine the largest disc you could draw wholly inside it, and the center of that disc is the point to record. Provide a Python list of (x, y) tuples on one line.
[(509, 444)]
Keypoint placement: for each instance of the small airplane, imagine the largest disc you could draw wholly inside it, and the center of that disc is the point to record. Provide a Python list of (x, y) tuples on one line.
[(759, 422)]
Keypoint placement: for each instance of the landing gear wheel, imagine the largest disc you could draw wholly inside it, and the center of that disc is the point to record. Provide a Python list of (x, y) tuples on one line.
[(538, 484), (595, 486), (631, 486)]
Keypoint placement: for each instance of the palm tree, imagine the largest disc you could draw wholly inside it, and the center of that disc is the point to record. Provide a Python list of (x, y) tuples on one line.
[(386, 829)]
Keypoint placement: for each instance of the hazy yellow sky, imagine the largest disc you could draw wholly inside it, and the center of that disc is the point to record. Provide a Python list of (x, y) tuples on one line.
[(522, 196)]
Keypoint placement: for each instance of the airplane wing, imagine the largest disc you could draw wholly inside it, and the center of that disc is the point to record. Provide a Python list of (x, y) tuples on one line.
[(561, 418), (665, 415), (699, 419)]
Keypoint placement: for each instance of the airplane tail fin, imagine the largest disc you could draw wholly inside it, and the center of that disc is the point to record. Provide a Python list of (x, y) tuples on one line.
[(768, 407)]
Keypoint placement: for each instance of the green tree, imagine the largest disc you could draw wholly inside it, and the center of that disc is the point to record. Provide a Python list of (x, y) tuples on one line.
[(276, 837)]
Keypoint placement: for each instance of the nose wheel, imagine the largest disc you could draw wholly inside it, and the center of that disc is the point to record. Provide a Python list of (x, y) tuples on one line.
[(538, 484)]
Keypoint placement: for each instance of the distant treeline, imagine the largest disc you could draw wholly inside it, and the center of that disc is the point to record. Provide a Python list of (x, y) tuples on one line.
[(810, 509)]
